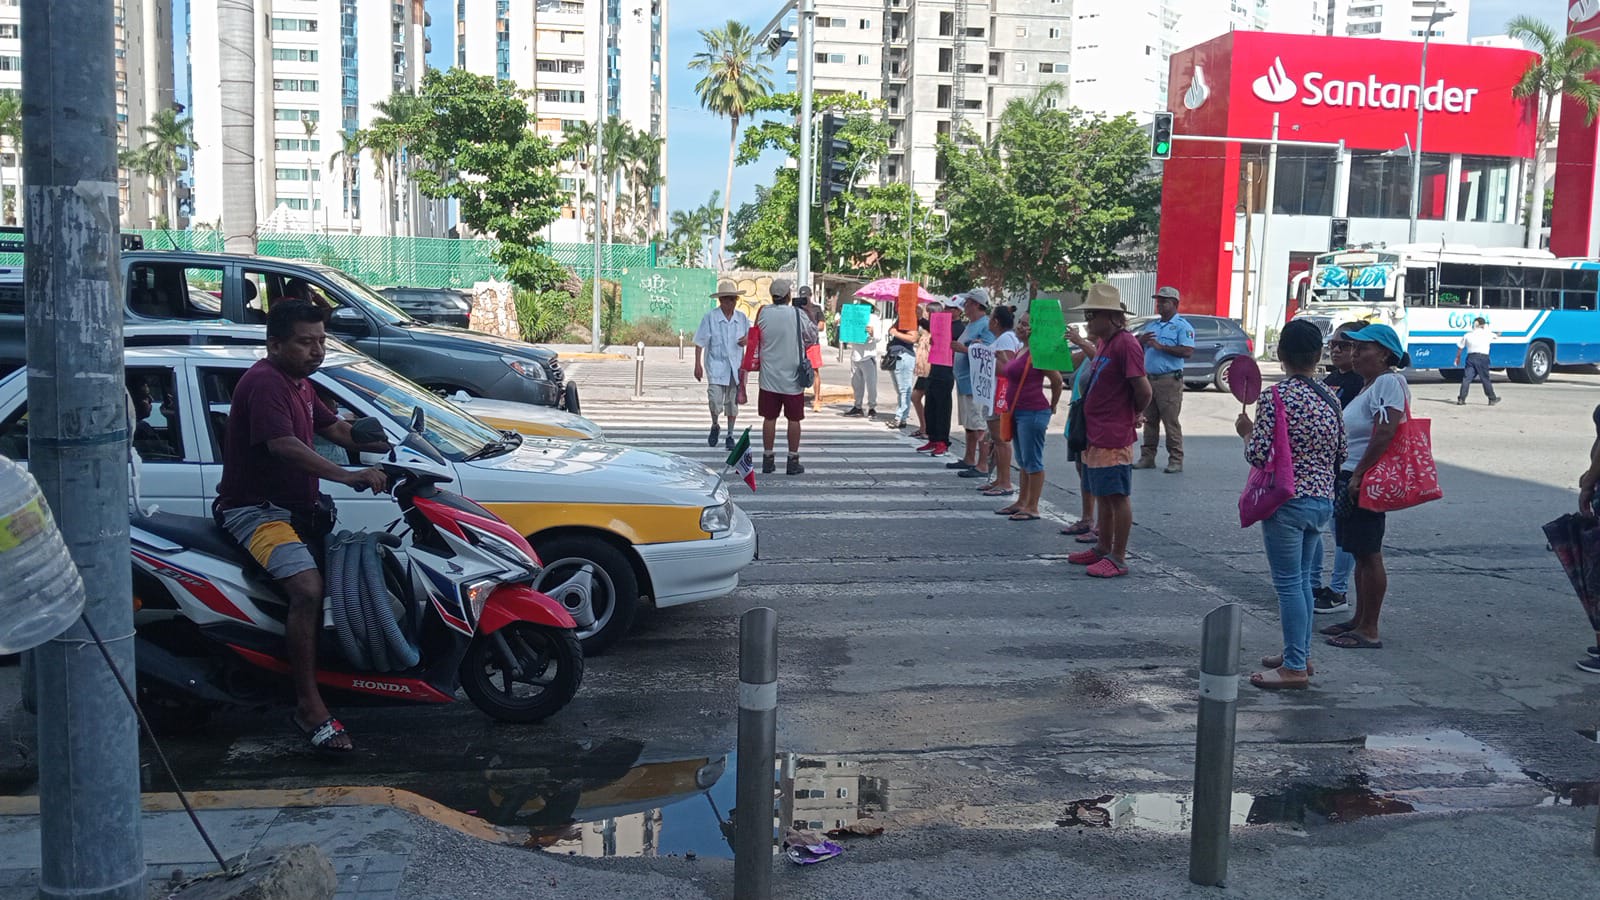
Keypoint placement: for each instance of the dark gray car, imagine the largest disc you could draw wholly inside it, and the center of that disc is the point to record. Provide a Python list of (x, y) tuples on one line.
[(436, 306), (1217, 341), (163, 285)]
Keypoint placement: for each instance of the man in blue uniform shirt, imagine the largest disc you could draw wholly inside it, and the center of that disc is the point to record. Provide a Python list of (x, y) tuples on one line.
[(1167, 343)]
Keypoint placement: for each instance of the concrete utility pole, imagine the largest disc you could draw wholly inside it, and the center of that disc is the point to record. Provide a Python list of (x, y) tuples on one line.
[(78, 448), (808, 175), (236, 62), (1438, 15), (600, 58)]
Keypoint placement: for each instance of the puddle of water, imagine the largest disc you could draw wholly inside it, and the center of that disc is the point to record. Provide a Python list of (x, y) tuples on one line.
[(1172, 813)]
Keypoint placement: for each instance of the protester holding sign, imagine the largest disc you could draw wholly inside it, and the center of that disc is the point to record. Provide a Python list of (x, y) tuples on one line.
[(903, 352), (941, 382), (1031, 414), (995, 452), (859, 332)]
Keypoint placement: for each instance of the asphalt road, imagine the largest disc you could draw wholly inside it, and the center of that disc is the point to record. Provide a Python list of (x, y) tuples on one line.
[(957, 672)]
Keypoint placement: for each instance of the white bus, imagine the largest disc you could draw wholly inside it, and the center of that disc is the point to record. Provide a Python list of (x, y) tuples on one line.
[(1542, 307)]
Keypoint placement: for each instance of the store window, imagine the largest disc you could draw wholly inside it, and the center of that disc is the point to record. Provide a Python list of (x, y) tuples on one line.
[(1485, 193), (1305, 180), (1380, 185)]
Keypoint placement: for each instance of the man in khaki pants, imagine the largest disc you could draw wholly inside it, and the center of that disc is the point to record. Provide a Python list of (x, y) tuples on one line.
[(1167, 343)]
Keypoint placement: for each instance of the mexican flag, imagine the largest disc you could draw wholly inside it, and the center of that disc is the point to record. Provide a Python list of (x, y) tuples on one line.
[(742, 461)]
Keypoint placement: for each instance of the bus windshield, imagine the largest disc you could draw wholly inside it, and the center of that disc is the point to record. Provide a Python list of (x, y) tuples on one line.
[(1365, 278)]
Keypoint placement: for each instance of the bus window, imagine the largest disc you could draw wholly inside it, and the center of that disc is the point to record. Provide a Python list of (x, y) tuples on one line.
[(1459, 285), (1502, 287), (1578, 288), (1547, 295), (1416, 288)]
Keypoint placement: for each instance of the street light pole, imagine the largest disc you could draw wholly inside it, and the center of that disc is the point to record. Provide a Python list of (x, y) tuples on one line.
[(1422, 88), (594, 164), (808, 43)]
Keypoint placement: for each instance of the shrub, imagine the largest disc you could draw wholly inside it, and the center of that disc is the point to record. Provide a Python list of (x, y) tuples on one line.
[(544, 316), (655, 331)]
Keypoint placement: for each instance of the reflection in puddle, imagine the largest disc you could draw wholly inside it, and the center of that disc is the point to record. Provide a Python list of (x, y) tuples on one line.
[(1172, 813)]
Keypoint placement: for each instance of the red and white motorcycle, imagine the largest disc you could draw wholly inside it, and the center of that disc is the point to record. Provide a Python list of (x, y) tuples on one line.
[(210, 622)]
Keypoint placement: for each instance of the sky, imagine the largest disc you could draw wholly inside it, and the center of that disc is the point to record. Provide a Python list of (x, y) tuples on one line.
[(698, 141)]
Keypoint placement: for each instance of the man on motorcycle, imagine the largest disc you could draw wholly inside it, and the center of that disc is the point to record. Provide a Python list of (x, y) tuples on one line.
[(268, 498)]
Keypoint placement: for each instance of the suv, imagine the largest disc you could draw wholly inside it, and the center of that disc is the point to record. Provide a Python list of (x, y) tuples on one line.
[(1217, 341), (436, 306), (168, 285)]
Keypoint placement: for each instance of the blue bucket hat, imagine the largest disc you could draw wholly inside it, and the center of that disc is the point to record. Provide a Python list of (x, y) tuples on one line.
[(1385, 337)]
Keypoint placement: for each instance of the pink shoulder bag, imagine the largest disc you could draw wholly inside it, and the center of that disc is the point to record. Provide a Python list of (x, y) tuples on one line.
[(1269, 488)]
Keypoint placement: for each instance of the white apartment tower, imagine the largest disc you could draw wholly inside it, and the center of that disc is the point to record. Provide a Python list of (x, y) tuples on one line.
[(143, 48), (1398, 20), (321, 66), (550, 48)]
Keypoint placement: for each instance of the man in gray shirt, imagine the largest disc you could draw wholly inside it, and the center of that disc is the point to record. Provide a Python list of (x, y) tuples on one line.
[(785, 333)]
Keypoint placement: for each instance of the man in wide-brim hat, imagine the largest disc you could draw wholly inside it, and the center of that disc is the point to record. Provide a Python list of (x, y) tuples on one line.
[(1113, 405), (718, 353)]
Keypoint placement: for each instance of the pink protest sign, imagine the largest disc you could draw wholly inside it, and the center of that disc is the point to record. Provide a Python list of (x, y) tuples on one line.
[(939, 350)]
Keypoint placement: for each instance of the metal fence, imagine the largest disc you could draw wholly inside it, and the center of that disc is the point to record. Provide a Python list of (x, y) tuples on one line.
[(383, 261)]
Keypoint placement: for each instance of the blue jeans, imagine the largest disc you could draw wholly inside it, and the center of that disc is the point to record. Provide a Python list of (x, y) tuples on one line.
[(904, 366), (1293, 540), (1343, 565)]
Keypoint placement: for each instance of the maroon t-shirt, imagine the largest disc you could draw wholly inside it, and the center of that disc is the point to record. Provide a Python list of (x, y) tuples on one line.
[(267, 404), (1108, 407)]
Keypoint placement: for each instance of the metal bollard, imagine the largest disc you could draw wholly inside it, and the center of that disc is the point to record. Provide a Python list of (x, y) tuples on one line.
[(680, 344), (638, 369), (758, 745), (1213, 751)]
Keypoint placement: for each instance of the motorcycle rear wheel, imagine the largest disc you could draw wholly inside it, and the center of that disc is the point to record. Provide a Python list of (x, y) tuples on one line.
[(523, 672)]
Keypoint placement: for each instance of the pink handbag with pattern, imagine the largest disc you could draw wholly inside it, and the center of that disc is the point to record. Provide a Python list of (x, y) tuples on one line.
[(1271, 487)]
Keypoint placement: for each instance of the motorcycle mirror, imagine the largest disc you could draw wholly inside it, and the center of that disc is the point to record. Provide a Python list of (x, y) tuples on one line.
[(418, 420)]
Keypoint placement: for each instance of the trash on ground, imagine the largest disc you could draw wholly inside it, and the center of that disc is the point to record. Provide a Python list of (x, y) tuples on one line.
[(807, 847)]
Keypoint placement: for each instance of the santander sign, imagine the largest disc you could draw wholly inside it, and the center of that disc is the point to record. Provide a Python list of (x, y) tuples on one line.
[(1316, 89)]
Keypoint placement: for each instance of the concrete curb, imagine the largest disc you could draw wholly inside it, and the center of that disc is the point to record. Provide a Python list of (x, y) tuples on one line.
[(595, 356), (302, 798)]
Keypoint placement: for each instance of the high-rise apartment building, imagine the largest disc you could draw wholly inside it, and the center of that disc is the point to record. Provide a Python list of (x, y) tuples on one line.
[(142, 35), (550, 48), (939, 65), (321, 67), (1398, 20)]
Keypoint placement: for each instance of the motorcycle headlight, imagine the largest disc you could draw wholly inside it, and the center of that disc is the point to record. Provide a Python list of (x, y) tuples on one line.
[(717, 518), (502, 548), (476, 594), (527, 368)]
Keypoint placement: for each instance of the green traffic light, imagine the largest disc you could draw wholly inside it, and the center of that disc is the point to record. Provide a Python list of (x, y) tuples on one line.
[(1163, 148)]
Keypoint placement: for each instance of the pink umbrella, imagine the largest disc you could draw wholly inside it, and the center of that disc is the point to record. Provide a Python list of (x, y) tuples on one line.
[(889, 289)]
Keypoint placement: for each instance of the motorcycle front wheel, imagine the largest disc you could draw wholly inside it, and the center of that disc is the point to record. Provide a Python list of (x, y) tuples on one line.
[(523, 672)]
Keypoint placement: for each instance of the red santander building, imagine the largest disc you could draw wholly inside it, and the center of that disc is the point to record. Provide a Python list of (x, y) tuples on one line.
[(1477, 148)]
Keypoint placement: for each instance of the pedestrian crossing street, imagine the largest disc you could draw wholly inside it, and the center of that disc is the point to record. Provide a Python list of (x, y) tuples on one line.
[(853, 465)]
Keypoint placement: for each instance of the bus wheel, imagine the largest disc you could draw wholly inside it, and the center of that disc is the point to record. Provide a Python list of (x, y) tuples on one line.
[(1537, 367), (1453, 376)]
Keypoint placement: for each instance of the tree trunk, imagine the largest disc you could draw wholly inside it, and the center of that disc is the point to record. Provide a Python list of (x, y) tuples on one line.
[(727, 195), (172, 199), (1535, 215)]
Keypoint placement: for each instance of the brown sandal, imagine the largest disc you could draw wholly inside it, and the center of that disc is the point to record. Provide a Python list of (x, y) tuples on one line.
[(1276, 662), (1273, 680)]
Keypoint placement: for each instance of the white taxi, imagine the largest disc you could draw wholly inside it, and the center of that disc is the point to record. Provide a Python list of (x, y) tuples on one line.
[(616, 527)]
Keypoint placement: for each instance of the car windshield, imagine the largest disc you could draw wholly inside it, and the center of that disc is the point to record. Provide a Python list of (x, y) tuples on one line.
[(377, 304), (454, 433)]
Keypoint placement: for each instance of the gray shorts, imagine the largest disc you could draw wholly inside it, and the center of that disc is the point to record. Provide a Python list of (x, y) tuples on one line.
[(969, 413), (723, 399), (269, 535)]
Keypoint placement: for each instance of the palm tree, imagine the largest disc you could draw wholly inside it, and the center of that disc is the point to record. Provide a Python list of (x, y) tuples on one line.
[(644, 152), (312, 170), (616, 140), (10, 131), (170, 136), (392, 129), (349, 156), (688, 236), (1562, 71), (734, 79)]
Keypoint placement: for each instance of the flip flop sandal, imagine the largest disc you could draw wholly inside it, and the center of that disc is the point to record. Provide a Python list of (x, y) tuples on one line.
[(1106, 568), (918, 434), (322, 736), (1337, 629), (1354, 640), (1274, 662), (1270, 680), (999, 492), (1007, 510), (1023, 517), (1078, 528), (1088, 537)]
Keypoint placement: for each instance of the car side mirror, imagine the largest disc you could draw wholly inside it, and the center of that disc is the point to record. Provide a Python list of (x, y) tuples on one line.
[(348, 319)]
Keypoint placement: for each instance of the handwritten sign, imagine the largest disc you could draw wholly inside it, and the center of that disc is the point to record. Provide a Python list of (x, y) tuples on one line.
[(1047, 344), (983, 377), (853, 320), (939, 352), (906, 307)]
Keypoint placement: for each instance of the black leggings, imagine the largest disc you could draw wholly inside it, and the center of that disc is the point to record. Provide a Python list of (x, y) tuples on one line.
[(937, 402)]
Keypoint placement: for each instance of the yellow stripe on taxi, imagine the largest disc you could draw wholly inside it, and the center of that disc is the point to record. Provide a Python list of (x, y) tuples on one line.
[(638, 523)]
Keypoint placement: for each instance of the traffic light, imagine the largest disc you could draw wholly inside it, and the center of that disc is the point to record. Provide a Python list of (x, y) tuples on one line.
[(1161, 136), (1338, 234), (831, 169)]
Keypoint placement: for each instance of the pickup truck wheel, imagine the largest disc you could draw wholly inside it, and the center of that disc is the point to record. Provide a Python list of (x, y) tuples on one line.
[(589, 574)]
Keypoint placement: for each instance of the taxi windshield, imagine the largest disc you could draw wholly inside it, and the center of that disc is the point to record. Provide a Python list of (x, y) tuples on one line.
[(454, 433)]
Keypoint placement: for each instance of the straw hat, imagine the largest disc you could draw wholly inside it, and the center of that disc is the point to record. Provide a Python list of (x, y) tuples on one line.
[(1104, 297), (727, 287)]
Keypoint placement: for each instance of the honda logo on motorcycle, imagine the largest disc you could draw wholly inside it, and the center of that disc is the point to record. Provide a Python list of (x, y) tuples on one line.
[(1319, 90), (387, 686)]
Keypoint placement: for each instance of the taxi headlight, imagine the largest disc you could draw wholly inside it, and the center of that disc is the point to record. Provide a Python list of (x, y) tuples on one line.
[(717, 518)]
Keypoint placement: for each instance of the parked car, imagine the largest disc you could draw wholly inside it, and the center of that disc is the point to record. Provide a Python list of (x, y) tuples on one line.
[(615, 527), (168, 285), (526, 419), (1217, 342), (437, 306)]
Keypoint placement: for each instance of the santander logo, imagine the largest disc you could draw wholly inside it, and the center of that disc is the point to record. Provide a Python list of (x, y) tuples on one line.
[(1317, 89), (1198, 92), (1583, 10), (1275, 86)]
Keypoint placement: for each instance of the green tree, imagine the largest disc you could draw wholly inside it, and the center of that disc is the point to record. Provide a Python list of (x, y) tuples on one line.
[(1562, 70), (1048, 201), (391, 135), (474, 132), (734, 80), (348, 159), (168, 135)]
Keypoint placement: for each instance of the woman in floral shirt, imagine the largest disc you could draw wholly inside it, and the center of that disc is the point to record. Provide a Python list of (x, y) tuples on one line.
[(1293, 534)]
